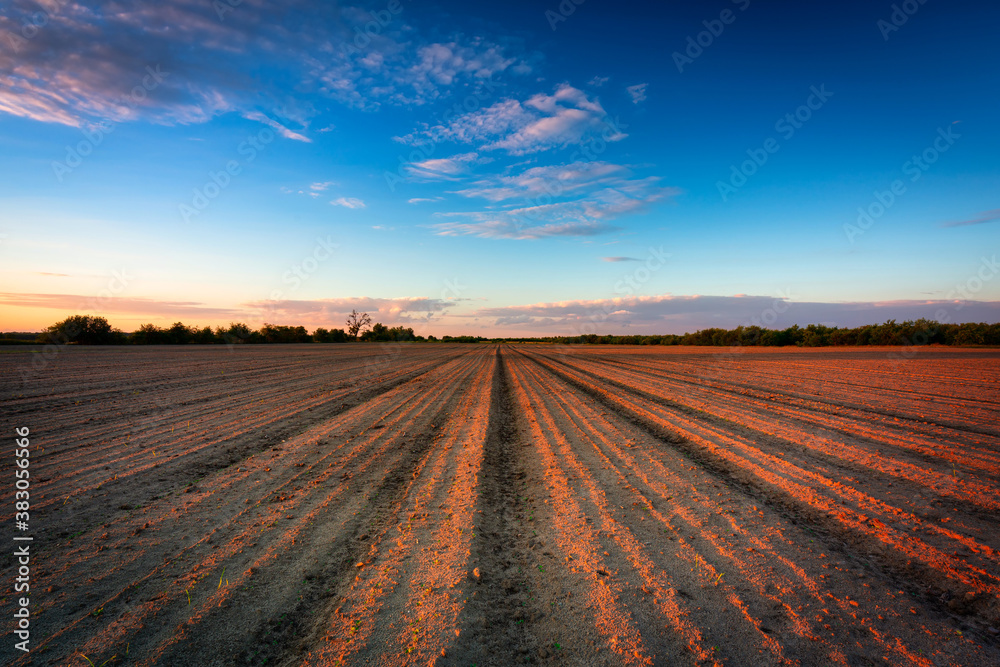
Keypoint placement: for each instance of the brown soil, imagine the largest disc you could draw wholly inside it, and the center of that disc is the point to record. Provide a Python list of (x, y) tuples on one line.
[(497, 505)]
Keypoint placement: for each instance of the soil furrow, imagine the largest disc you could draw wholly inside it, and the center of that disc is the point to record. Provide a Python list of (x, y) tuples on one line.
[(933, 576), (499, 625)]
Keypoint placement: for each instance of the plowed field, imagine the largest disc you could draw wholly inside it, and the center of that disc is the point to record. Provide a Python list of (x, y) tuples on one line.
[(503, 504)]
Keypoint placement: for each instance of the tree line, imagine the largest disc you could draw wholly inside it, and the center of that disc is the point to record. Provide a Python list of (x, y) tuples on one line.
[(91, 330), (908, 333)]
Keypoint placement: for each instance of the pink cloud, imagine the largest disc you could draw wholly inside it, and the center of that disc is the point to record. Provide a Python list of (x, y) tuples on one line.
[(679, 314), (541, 122), (981, 219)]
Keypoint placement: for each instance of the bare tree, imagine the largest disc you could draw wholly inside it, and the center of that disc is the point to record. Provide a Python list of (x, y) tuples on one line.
[(357, 323)]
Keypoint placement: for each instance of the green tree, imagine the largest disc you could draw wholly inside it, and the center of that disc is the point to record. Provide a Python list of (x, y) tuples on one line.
[(178, 334), (148, 334), (379, 332), (236, 333), (83, 330), (203, 336)]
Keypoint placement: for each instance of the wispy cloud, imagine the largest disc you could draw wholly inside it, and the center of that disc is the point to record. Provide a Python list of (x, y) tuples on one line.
[(620, 259), (559, 180), (348, 202), (190, 64), (541, 122), (422, 200), (637, 92), (395, 68), (123, 62), (563, 200), (508, 226), (598, 81), (981, 219), (139, 307), (442, 169), (278, 127), (314, 190)]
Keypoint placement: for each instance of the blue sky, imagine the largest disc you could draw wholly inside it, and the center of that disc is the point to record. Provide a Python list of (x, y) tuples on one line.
[(516, 168)]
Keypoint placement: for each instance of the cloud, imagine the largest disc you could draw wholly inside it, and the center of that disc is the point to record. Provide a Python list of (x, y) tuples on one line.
[(281, 129), (517, 224), (442, 169), (598, 81), (513, 320), (442, 63), (122, 62), (140, 307), (503, 226), (620, 259), (552, 180), (421, 200), (679, 314), (395, 67), (981, 219), (575, 199), (541, 122), (314, 190), (348, 202), (637, 92), (635, 314), (187, 61), (385, 310)]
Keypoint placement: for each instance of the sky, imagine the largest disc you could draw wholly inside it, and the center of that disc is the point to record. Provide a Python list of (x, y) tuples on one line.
[(501, 169)]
